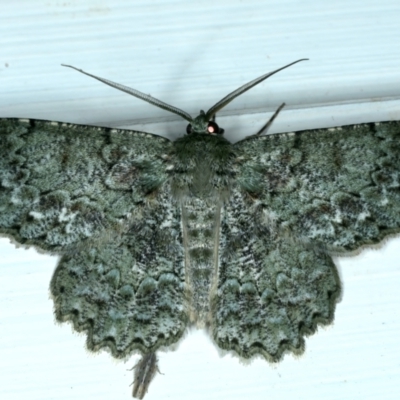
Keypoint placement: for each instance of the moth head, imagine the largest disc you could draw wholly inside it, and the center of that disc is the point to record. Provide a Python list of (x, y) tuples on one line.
[(204, 123)]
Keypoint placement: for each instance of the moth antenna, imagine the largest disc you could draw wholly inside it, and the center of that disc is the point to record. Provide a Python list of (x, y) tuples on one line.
[(265, 128), (138, 94), (227, 99)]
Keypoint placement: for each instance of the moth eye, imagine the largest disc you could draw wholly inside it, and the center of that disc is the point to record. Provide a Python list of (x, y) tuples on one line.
[(213, 128), (189, 129)]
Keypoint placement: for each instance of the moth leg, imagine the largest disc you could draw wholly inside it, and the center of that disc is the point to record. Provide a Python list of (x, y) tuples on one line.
[(144, 373), (269, 122)]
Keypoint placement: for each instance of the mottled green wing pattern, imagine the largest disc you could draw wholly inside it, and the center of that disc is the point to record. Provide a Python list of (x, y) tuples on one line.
[(272, 289), (101, 198), (337, 187), (128, 293), (63, 184), (297, 198)]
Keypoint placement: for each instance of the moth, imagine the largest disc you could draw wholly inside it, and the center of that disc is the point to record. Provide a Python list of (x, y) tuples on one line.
[(156, 236)]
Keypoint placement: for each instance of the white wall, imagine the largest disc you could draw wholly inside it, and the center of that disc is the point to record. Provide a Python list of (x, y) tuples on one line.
[(191, 54)]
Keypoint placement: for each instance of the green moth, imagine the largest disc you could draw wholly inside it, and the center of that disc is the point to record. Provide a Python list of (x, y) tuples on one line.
[(156, 236)]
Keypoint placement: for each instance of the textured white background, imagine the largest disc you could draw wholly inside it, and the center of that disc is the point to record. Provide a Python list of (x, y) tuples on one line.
[(191, 54)]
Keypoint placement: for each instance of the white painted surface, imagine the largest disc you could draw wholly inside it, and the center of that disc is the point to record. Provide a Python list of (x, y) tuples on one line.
[(191, 54)]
